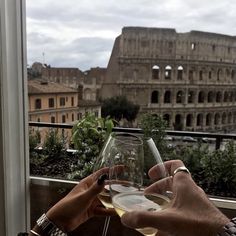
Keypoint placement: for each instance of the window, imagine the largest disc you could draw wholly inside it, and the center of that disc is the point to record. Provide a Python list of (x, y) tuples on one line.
[(155, 72), (208, 119), (218, 97), (200, 75), (199, 120), (210, 97), (63, 119), (209, 75), (72, 117), (72, 101), (189, 120), (180, 73), (38, 103), (62, 101), (190, 75), (193, 46), (51, 102), (168, 72), (167, 97), (219, 74), (179, 97), (201, 97), (53, 120), (154, 97), (190, 97)]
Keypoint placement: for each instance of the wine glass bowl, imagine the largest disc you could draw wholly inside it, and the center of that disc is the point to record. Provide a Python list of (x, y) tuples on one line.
[(130, 158)]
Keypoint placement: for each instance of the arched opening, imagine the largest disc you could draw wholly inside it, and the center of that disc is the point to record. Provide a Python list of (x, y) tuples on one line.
[(210, 97), (180, 73), (218, 96), (155, 72), (179, 97), (201, 97), (178, 122), (189, 120), (167, 97), (230, 118), (219, 72), (154, 97), (208, 119), (199, 120), (226, 97), (190, 96), (223, 118), (232, 74), (168, 70), (217, 119)]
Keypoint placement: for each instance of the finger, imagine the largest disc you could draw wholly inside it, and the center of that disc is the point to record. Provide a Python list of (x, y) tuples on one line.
[(156, 171), (161, 186), (93, 190), (100, 172), (162, 220)]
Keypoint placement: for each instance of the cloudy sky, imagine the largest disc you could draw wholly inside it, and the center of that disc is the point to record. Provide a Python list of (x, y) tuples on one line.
[(81, 33)]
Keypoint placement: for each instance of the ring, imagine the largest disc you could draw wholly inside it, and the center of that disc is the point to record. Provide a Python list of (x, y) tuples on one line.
[(181, 168)]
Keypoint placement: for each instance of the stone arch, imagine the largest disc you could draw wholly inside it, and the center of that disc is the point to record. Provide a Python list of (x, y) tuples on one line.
[(230, 116), (223, 118), (226, 96), (168, 72), (179, 96), (208, 119), (189, 120), (155, 97), (200, 119), (178, 122), (155, 72), (218, 96), (180, 72), (210, 97), (217, 119), (167, 96), (201, 97), (191, 96)]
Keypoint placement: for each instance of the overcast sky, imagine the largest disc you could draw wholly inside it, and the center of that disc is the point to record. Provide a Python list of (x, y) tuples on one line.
[(81, 33)]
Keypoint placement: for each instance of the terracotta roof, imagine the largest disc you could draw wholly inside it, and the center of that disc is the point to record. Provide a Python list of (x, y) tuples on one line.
[(38, 86)]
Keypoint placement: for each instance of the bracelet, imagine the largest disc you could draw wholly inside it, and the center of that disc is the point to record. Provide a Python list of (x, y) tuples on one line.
[(229, 229)]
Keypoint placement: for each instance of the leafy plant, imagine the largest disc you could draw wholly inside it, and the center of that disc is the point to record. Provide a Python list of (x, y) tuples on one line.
[(88, 137)]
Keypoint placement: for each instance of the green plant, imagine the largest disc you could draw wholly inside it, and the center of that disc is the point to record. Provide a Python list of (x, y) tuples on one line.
[(154, 126), (88, 137), (34, 139), (54, 144)]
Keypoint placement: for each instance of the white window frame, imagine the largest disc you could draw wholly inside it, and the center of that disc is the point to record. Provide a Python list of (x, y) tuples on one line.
[(14, 167)]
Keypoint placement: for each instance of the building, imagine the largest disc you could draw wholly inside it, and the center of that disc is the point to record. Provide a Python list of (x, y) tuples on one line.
[(90, 80), (188, 78), (55, 103)]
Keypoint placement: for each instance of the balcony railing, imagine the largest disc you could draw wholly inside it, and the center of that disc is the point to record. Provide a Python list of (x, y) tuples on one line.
[(46, 191)]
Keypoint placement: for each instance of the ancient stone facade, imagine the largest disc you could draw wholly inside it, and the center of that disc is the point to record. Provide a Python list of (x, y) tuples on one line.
[(188, 78)]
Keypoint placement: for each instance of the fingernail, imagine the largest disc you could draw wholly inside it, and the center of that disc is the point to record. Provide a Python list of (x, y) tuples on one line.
[(101, 179)]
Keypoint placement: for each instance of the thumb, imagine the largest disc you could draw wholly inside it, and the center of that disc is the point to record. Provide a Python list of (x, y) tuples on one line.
[(140, 219)]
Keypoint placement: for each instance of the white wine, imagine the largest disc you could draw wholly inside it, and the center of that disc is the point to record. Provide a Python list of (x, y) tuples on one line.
[(105, 197), (138, 201)]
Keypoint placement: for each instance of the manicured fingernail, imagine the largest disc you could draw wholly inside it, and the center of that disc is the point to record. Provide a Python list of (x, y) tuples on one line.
[(101, 179)]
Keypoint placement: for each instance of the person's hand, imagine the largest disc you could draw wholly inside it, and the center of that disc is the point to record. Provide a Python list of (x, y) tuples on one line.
[(190, 212), (80, 204)]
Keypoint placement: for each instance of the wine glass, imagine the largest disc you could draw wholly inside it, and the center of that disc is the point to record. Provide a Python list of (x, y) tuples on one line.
[(130, 158), (101, 162)]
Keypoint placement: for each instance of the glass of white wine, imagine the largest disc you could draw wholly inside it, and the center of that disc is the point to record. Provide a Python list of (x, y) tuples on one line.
[(130, 158), (103, 162)]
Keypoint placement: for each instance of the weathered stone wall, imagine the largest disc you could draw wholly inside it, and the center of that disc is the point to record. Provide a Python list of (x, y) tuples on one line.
[(189, 78)]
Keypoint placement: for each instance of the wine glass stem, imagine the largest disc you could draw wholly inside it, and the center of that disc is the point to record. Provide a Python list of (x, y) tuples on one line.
[(106, 225)]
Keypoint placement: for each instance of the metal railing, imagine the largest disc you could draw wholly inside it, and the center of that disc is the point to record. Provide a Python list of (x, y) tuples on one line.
[(218, 137)]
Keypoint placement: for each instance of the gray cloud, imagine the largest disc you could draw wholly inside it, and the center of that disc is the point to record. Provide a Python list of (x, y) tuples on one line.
[(81, 33)]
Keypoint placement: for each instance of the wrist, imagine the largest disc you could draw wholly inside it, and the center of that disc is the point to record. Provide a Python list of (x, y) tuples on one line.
[(229, 229)]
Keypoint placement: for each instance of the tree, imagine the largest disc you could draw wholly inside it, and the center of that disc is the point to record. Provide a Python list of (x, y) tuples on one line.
[(119, 107)]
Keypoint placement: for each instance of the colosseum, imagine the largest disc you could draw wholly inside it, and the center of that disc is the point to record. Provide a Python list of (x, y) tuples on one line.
[(188, 78)]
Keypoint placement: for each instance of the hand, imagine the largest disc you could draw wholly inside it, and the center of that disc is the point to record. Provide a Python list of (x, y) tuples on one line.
[(80, 204), (190, 212)]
